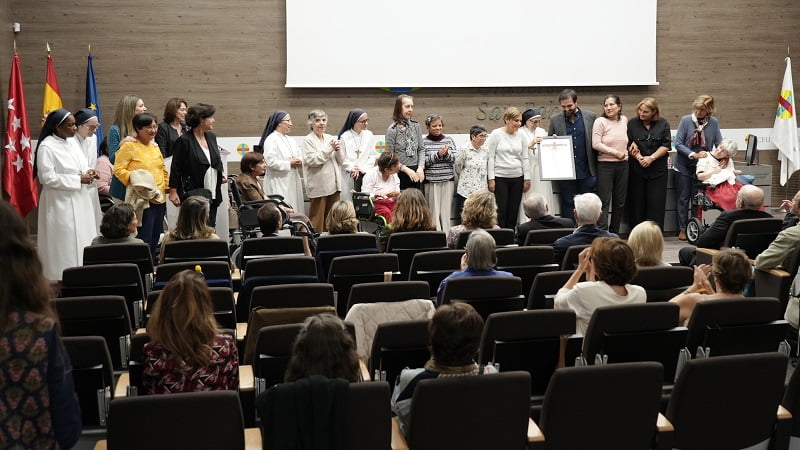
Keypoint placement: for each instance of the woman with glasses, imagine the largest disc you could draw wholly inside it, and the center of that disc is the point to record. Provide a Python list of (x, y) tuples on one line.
[(196, 163), (139, 165), (359, 151), (532, 130), (610, 141), (284, 161), (439, 169), (649, 142), (66, 224), (87, 123), (471, 167)]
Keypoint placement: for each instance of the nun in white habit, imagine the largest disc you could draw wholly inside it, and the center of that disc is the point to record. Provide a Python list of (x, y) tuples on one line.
[(87, 123), (283, 158)]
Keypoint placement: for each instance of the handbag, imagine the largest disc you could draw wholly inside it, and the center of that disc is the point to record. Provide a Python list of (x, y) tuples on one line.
[(189, 190)]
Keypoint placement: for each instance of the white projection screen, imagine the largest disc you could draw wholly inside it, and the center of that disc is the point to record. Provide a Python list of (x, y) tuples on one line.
[(456, 43)]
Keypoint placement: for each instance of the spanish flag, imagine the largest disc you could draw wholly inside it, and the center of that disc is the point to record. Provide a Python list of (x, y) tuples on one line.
[(52, 95)]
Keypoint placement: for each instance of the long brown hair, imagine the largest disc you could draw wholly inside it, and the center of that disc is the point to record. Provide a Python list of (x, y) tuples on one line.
[(183, 319), (23, 285), (412, 213), (323, 347), (192, 218)]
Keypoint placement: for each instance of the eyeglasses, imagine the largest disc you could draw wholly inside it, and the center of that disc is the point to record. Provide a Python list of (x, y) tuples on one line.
[(362, 122), (90, 127), (482, 136)]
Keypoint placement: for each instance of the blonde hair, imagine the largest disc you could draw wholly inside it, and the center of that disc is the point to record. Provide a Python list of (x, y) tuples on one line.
[(192, 219), (647, 243), (412, 213), (651, 103), (183, 319), (510, 113), (705, 101), (123, 115), (480, 210), (342, 218)]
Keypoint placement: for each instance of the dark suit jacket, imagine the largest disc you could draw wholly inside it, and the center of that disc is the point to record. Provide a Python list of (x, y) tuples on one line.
[(714, 236), (558, 125), (189, 164), (542, 223), (582, 236)]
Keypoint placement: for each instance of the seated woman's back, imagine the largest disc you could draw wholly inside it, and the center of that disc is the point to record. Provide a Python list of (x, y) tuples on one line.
[(192, 223), (186, 353)]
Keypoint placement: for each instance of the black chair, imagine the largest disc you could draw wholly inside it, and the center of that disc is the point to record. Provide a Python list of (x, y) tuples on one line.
[(136, 364), (221, 298), (487, 295), (398, 345), (104, 316), (137, 253), (526, 262), (633, 333), (331, 246), (663, 282), (196, 250), (107, 279), (736, 326), (217, 273), (544, 288), (433, 267), (753, 235), (300, 267), (604, 407), (406, 245), (791, 402), (494, 414), (570, 261), (503, 237), (345, 271), (93, 375), (526, 340), (396, 291), (546, 237), (776, 283), (210, 419), (729, 402), (299, 295), (266, 247)]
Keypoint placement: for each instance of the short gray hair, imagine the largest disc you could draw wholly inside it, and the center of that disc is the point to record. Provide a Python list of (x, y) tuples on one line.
[(313, 115), (731, 147), (587, 208), (480, 250), (535, 205)]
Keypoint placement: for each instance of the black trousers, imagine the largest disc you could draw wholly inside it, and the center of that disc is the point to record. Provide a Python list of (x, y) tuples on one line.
[(508, 194)]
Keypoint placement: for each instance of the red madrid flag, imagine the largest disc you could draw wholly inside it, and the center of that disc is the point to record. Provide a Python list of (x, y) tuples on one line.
[(18, 179)]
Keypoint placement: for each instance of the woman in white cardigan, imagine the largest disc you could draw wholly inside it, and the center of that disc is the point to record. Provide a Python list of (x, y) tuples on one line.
[(322, 159)]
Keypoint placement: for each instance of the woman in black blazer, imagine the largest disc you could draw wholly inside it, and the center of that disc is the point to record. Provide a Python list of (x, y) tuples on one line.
[(173, 126), (196, 163)]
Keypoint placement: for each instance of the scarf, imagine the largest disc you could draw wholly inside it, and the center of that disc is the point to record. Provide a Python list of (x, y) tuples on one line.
[(433, 138), (698, 138)]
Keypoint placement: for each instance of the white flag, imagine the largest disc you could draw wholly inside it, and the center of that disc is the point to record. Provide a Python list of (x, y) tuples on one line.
[(784, 132)]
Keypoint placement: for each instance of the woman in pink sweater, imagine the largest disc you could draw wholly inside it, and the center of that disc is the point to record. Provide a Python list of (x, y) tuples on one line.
[(610, 140)]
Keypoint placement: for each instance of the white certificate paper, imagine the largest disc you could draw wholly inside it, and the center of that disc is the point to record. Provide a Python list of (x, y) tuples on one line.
[(556, 159)]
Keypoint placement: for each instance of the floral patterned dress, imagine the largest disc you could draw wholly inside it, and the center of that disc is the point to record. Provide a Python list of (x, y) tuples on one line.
[(162, 374)]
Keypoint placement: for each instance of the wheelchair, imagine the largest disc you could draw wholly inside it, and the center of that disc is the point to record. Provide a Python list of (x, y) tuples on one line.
[(703, 213), (368, 221)]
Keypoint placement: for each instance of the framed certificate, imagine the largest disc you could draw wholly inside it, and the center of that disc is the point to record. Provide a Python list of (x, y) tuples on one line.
[(556, 158)]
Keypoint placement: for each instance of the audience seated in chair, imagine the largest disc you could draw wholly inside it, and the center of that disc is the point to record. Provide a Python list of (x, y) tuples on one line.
[(270, 220), (192, 223), (609, 267), (731, 271), (780, 251), (478, 260), (412, 213), (186, 352), (480, 211), (118, 226), (538, 212), (455, 334), (749, 205), (324, 347), (588, 209), (341, 219), (647, 242)]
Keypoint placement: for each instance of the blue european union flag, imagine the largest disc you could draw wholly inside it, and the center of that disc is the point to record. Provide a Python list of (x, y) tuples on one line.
[(93, 102)]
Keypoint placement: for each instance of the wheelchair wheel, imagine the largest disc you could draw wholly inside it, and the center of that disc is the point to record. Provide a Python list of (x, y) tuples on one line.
[(693, 230)]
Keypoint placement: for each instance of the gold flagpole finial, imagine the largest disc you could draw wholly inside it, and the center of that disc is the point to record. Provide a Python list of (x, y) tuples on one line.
[(90, 49)]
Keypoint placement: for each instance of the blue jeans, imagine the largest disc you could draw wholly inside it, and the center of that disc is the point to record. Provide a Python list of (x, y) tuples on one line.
[(568, 189), (152, 226), (684, 189)]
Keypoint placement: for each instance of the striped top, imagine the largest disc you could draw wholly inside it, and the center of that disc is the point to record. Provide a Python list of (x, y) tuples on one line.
[(439, 169)]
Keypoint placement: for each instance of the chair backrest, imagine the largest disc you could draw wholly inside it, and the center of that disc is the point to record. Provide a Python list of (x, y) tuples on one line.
[(104, 316), (407, 244), (210, 419), (487, 295), (727, 402), (292, 296), (263, 317), (752, 235), (544, 288), (137, 253), (663, 282), (106, 279), (502, 237), (526, 340), (791, 401), (397, 345), (196, 250), (273, 350), (222, 301), (217, 273), (92, 371), (332, 246), (266, 247), (735, 326), (769, 285), (604, 407), (433, 267), (281, 265), (371, 430), (345, 271), (546, 237), (396, 291), (136, 361), (526, 262), (494, 414), (640, 332), (570, 261)]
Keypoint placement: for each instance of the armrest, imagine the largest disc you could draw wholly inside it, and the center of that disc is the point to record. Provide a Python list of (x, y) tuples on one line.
[(141, 331), (534, 433), (246, 380), (236, 275), (121, 388), (241, 331), (362, 367), (705, 255), (252, 439), (398, 440), (663, 424), (783, 413), (775, 272), (101, 445)]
